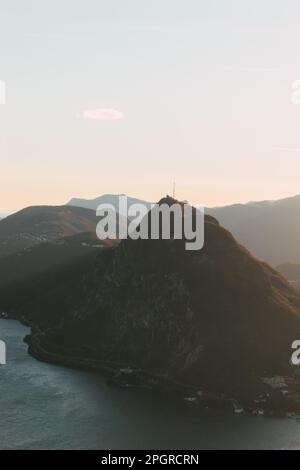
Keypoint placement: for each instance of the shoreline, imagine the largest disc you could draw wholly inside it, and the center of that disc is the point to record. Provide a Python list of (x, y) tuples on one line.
[(111, 369), (121, 376)]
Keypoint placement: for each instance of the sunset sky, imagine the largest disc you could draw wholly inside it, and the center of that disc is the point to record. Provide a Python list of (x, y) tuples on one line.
[(124, 96)]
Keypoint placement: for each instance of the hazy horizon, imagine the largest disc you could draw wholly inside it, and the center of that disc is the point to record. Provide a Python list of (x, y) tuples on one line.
[(125, 97), (4, 213)]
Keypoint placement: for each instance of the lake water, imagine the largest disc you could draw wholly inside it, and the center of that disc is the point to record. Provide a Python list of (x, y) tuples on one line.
[(44, 406)]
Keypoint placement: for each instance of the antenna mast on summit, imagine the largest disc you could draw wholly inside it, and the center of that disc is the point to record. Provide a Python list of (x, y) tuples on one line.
[(174, 186)]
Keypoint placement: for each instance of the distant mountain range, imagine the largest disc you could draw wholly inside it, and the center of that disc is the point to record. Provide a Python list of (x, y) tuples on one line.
[(112, 199), (269, 229)]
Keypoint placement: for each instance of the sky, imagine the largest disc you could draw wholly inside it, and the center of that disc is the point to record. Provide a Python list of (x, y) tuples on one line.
[(125, 96)]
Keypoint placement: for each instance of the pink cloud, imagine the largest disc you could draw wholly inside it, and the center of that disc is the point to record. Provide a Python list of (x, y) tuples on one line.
[(102, 114)]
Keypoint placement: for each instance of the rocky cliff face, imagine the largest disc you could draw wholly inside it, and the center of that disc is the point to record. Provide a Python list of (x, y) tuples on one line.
[(213, 317)]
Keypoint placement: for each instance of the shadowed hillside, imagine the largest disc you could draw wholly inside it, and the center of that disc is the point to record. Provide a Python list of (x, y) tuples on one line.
[(35, 260)]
